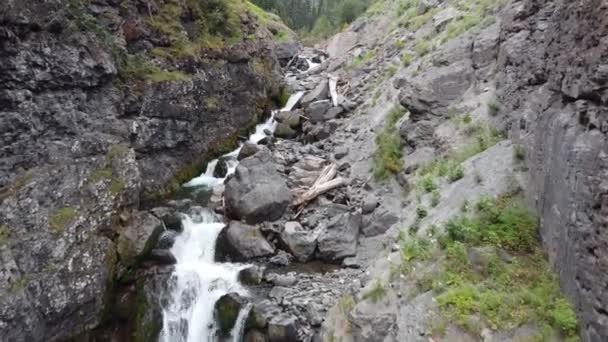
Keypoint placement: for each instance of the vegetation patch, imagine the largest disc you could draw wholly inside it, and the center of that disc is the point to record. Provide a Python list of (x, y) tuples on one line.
[(495, 273), (406, 59), (361, 60), (61, 219), (5, 234), (412, 250), (376, 292), (387, 157)]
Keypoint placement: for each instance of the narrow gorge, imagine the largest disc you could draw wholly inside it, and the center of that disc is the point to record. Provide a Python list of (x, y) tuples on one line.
[(195, 170)]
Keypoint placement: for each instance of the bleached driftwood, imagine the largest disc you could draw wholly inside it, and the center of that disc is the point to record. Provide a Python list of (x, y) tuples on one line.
[(322, 184), (333, 81)]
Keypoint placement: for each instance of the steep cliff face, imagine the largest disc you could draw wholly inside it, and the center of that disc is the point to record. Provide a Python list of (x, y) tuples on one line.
[(553, 81), (103, 104)]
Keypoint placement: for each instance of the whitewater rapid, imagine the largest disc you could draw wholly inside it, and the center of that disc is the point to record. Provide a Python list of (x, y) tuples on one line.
[(198, 281)]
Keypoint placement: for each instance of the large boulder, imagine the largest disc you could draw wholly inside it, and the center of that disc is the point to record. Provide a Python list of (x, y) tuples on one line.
[(287, 50), (247, 150), (338, 238), (417, 133), (299, 241), (227, 310), (138, 238), (257, 192), (316, 111), (282, 328), (241, 242)]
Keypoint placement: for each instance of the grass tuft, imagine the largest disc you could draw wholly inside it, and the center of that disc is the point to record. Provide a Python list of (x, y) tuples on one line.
[(376, 293), (387, 157)]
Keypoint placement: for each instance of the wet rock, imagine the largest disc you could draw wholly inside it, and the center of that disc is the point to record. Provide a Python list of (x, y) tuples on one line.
[(370, 202), (227, 310), (255, 336), (315, 112), (257, 192), (171, 218), (166, 239), (161, 257), (138, 238), (251, 275), (281, 259), (320, 92), (151, 291), (338, 238), (221, 168), (299, 241), (247, 150), (282, 329), (241, 242)]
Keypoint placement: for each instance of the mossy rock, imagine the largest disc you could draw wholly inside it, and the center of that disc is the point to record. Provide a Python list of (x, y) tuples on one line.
[(227, 310)]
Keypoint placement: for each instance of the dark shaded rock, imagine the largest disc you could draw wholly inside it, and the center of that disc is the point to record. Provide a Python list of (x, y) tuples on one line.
[(299, 241), (255, 336), (286, 50), (241, 242), (420, 157), (166, 239), (227, 310), (338, 238), (138, 238), (170, 218), (162, 257), (221, 169), (282, 329), (247, 150), (257, 192)]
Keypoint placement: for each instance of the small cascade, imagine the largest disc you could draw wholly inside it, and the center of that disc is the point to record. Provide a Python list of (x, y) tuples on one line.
[(198, 281), (239, 326)]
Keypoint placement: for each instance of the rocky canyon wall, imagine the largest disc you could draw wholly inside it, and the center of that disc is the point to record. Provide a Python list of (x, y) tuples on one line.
[(553, 81), (104, 104)]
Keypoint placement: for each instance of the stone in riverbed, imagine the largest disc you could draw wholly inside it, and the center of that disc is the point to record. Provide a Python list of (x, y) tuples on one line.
[(299, 241), (221, 168), (170, 218), (281, 259), (242, 242), (227, 310), (290, 118), (251, 275), (257, 192), (166, 239), (284, 131), (282, 329), (138, 238), (162, 257), (247, 150)]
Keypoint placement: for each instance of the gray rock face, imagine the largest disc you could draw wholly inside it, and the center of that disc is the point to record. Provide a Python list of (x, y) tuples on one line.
[(316, 110), (417, 134), (83, 138), (138, 238), (257, 192), (338, 238), (378, 223), (556, 102), (241, 242), (226, 312), (247, 150), (299, 241), (287, 50), (282, 329), (319, 93)]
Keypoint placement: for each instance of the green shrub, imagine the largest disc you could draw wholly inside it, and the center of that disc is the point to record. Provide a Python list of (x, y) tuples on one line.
[(376, 293), (493, 106), (422, 48), (406, 59), (428, 183), (421, 212), (61, 219), (387, 157), (435, 198), (455, 173), (519, 153)]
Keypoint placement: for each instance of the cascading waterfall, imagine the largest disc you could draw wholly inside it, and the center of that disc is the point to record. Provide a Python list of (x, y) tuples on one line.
[(198, 281)]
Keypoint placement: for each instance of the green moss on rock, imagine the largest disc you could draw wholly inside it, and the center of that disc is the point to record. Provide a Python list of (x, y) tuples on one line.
[(61, 219)]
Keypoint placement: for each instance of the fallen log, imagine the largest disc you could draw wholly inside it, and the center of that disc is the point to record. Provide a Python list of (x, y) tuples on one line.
[(325, 181)]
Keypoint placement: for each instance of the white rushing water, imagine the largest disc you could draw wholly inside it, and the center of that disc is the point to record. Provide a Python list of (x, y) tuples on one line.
[(198, 281)]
